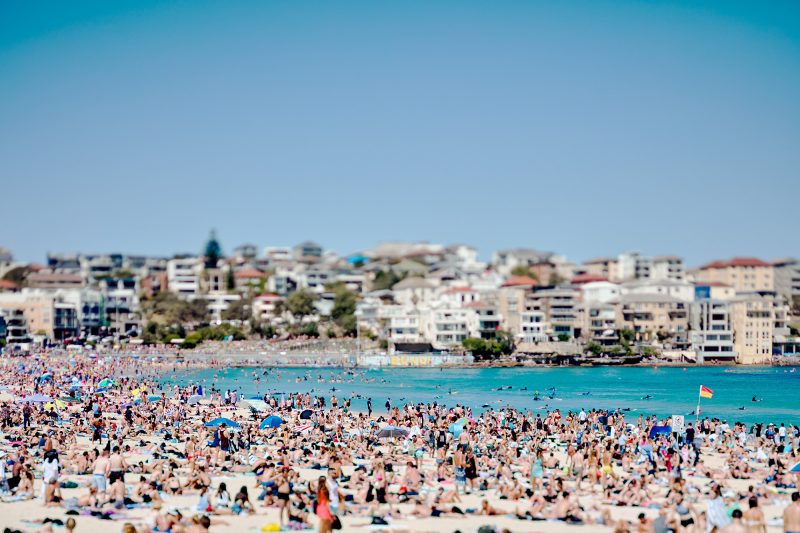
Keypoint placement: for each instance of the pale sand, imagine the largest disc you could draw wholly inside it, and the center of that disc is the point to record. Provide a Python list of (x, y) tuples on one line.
[(19, 514)]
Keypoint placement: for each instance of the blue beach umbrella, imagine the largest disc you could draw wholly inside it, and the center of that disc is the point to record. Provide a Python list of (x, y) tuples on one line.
[(271, 422), (795, 469), (219, 421), (660, 430)]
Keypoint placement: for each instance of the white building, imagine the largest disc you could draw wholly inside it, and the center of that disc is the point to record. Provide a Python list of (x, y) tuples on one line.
[(533, 327), (633, 265), (668, 267), (682, 290), (183, 275), (600, 291), (711, 331), (413, 291)]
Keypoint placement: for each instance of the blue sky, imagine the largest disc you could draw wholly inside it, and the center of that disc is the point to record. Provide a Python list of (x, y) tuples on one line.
[(586, 128)]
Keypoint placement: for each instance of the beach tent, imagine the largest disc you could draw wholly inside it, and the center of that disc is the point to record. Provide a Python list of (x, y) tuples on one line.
[(389, 432), (306, 415), (194, 399), (219, 421), (255, 405), (35, 398), (271, 422), (660, 430)]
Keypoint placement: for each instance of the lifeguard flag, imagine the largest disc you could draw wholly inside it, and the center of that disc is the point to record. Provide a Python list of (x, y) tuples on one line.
[(705, 392)]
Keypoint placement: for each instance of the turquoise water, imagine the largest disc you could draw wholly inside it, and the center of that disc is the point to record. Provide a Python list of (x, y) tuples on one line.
[(673, 390)]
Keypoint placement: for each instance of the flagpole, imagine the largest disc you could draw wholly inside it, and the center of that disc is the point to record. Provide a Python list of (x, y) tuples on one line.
[(697, 411)]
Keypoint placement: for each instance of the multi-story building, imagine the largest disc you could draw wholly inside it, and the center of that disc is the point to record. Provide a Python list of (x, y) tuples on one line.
[(654, 318), (599, 291), (754, 325), (600, 323), (787, 279), (532, 327), (488, 320), (413, 291), (604, 267), (505, 261), (744, 274), (307, 252), (49, 279), (667, 267), (183, 275), (265, 307), (449, 327), (682, 290), (712, 331), (633, 265), (559, 306)]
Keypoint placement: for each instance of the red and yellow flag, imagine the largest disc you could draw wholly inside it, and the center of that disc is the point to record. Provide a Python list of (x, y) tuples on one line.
[(705, 392)]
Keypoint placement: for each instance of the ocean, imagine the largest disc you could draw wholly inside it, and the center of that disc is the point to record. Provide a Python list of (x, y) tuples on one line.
[(671, 390)]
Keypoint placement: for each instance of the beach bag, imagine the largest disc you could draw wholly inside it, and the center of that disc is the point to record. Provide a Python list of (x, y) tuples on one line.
[(336, 524)]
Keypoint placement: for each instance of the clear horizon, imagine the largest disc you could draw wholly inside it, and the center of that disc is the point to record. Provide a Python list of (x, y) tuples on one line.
[(582, 128)]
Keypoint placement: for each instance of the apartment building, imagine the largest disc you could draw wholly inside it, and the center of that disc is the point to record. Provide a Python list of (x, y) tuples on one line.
[(560, 308), (52, 279), (655, 318), (667, 267), (604, 267), (744, 274), (787, 278), (682, 290), (184, 275), (712, 331), (599, 323), (532, 327), (265, 307), (414, 291), (449, 327), (754, 325), (633, 265)]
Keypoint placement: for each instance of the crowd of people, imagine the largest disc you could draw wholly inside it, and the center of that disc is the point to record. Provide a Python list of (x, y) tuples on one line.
[(107, 438)]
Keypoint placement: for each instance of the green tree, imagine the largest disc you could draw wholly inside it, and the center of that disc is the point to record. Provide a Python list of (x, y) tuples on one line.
[(344, 309), (385, 279), (230, 280), (563, 337), (627, 334), (523, 270), (301, 303), (238, 310), (17, 275), (594, 348), (213, 251), (168, 308)]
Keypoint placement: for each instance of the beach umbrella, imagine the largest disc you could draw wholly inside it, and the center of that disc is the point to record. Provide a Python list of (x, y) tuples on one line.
[(105, 383), (194, 400), (153, 398), (795, 469), (660, 430), (257, 405), (35, 398), (219, 421), (306, 415), (390, 432), (271, 422), (456, 429)]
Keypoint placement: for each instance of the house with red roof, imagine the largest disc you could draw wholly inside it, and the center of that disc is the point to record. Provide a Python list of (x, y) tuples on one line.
[(744, 274)]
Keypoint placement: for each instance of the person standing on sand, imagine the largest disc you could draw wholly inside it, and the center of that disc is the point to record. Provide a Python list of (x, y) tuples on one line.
[(100, 471), (791, 515)]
